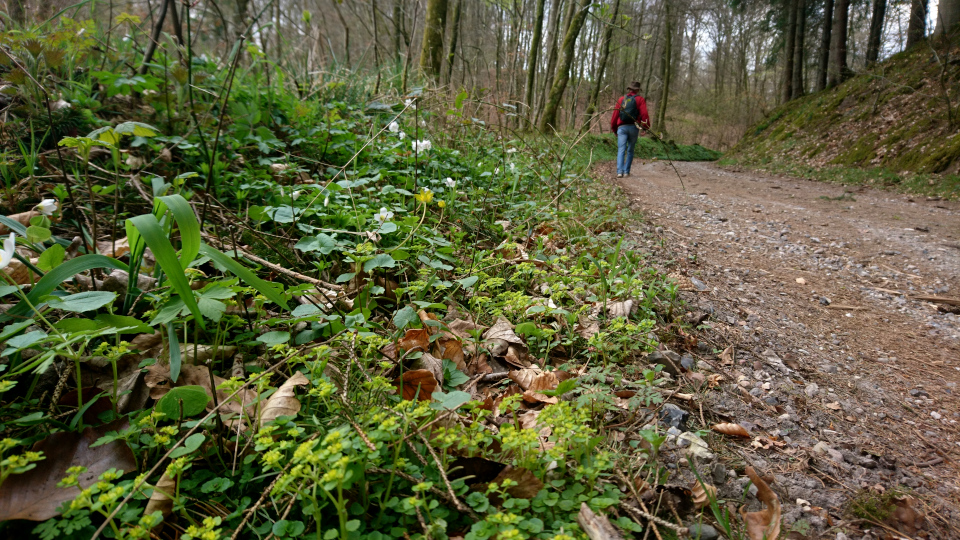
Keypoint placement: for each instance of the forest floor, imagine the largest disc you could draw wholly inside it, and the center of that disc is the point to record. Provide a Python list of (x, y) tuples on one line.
[(846, 356)]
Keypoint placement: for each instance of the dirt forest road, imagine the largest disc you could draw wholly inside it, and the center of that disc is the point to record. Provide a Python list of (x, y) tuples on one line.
[(841, 305)]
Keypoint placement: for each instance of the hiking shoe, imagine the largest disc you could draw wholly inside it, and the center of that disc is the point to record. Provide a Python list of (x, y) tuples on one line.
[(619, 175)]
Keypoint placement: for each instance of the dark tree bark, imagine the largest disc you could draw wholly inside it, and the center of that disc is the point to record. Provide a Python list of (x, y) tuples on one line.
[(917, 28), (17, 12), (876, 31), (604, 56), (563, 66), (838, 72), (398, 30), (666, 68), (948, 16), (798, 88), (825, 45), (534, 59), (557, 26), (454, 36), (431, 53), (789, 41)]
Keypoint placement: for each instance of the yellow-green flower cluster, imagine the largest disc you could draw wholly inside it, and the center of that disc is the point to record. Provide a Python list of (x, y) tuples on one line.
[(206, 531)]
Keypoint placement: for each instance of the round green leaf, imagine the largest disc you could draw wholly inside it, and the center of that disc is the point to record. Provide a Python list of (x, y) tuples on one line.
[(194, 400)]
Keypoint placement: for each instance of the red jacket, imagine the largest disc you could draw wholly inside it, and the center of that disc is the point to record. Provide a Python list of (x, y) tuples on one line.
[(641, 104)]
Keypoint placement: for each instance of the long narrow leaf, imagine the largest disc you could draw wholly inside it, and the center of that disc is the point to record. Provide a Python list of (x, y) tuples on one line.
[(20, 229), (58, 275), (245, 274), (175, 358), (157, 241), (188, 225)]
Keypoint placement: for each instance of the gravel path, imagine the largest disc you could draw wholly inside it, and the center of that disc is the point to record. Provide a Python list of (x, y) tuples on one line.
[(841, 305)]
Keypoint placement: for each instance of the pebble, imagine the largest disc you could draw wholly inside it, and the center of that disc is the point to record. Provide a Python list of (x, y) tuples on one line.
[(812, 389), (824, 448), (673, 416), (719, 473), (702, 531)]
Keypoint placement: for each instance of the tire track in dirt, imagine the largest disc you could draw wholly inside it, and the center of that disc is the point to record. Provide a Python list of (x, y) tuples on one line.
[(824, 277)]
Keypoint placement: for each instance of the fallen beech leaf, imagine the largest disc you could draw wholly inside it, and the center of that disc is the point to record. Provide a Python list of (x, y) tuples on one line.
[(735, 430), (534, 381), (417, 384), (22, 218), (726, 357), (34, 495), (621, 309), (415, 339), (625, 394), (528, 485), (430, 363), (466, 330), (702, 493), (160, 498), (283, 402), (449, 348), (478, 365), (835, 406), (765, 524), (587, 327), (503, 330), (517, 356)]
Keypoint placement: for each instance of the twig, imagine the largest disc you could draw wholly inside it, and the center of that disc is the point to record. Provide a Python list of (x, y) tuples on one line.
[(249, 512), (635, 512), (443, 474)]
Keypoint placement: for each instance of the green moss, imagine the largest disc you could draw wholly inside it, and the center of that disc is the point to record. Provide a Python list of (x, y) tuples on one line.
[(860, 152), (870, 505)]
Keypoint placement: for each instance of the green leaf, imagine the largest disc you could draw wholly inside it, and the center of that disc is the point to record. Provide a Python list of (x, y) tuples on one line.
[(451, 401), (244, 274), (468, 282), (452, 376), (137, 129), (274, 338), (51, 280), (175, 359), (528, 329), (188, 225), (149, 229), (212, 309), (132, 325), (23, 341), (38, 234), (561, 389), (404, 317), (12, 329), (71, 326), (382, 260), (217, 485), (353, 525), (191, 444), (82, 302), (194, 399), (323, 243), (51, 257)]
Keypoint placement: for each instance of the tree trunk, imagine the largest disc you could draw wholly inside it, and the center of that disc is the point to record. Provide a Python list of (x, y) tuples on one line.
[(431, 53), (534, 59), (789, 41), (557, 24), (18, 13), (602, 64), (454, 35), (876, 31), (797, 88), (838, 44), (917, 28), (563, 67), (825, 45), (665, 68), (398, 30), (948, 16)]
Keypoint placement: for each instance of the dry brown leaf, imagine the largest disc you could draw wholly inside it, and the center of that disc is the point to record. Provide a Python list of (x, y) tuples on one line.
[(835, 406), (587, 327), (466, 330), (714, 380), (449, 348), (417, 384), (597, 526), (528, 485), (624, 308), (34, 495), (415, 339), (478, 365), (534, 381), (159, 383), (517, 356), (160, 498), (735, 430), (430, 363), (503, 330), (726, 357), (283, 402), (765, 524), (702, 493)]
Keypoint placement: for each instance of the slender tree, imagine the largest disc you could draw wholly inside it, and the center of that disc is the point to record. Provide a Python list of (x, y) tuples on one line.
[(837, 71), (562, 77), (798, 88), (666, 67), (876, 31), (825, 38), (604, 56), (431, 52), (789, 41), (454, 35), (917, 27), (534, 58)]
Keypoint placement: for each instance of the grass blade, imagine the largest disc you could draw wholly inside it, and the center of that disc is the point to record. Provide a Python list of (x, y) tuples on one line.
[(154, 237), (244, 274), (175, 359), (58, 275), (188, 225)]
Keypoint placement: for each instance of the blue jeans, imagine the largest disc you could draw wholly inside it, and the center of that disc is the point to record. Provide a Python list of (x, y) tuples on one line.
[(626, 140)]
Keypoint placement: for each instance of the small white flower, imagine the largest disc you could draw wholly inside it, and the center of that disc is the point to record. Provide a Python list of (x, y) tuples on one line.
[(423, 123), (513, 168), (47, 207), (383, 216), (403, 135), (326, 201), (408, 103), (9, 244), (450, 182), (295, 195), (421, 146), (394, 127), (496, 171), (511, 150)]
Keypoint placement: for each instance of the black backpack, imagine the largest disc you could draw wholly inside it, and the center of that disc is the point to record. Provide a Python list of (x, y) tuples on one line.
[(629, 110)]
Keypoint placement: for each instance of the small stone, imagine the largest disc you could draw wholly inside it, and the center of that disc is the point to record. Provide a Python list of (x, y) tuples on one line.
[(673, 416), (830, 368), (702, 531), (753, 490), (771, 400), (719, 473), (687, 361), (824, 300), (812, 390), (935, 415), (824, 448)]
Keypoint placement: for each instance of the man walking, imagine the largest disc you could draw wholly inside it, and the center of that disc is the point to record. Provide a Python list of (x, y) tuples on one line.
[(630, 110)]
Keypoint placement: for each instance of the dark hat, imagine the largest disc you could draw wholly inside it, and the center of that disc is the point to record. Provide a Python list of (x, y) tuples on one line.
[(635, 86)]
